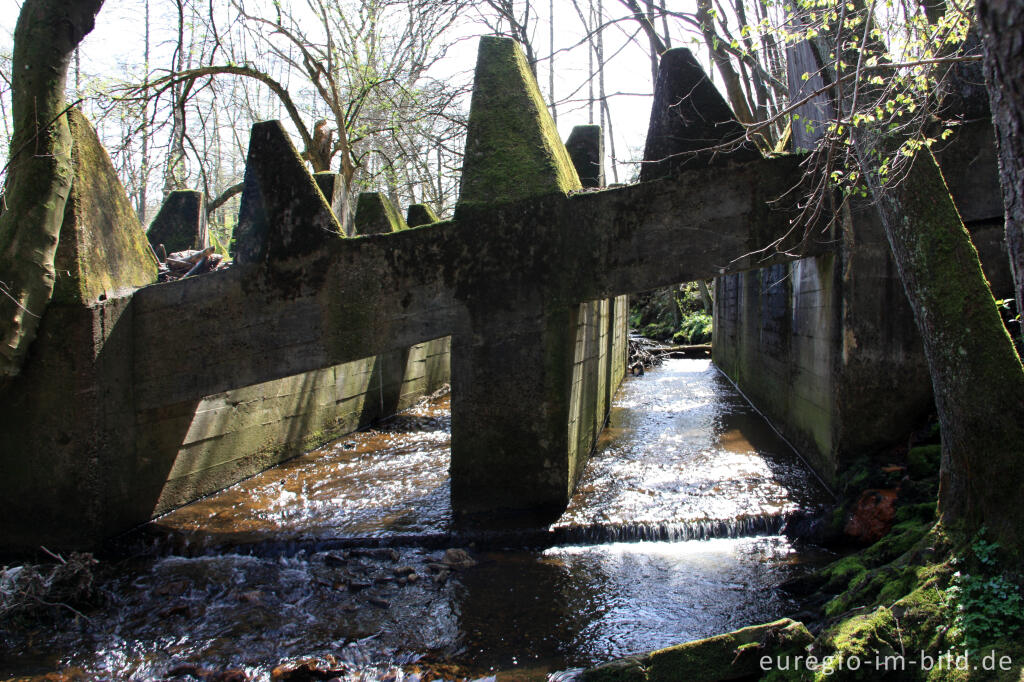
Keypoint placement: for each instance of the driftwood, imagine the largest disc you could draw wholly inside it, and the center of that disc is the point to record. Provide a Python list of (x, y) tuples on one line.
[(181, 264), (645, 353)]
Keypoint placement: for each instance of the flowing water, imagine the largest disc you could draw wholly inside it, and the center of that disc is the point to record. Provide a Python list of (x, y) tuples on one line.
[(343, 558)]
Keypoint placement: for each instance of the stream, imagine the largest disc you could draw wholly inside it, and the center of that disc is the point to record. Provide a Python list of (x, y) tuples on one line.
[(348, 559)]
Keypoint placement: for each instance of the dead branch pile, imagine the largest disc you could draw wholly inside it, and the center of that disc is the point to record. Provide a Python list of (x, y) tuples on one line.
[(32, 591), (644, 353), (181, 264)]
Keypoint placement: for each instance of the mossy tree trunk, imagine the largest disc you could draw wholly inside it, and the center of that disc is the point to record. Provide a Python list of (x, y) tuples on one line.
[(1002, 28), (976, 373), (40, 172)]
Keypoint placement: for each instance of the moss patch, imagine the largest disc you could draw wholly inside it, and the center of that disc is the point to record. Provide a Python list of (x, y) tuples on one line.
[(734, 655), (512, 146), (923, 461)]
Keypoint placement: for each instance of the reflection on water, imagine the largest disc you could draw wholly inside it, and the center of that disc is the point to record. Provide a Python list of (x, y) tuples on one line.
[(683, 453)]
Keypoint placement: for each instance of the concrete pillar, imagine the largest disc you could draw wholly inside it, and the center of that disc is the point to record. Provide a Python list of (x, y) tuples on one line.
[(420, 214), (586, 149), (283, 215), (375, 214), (333, 189), (181, 223), (67, 422), (512, 376), (510, 411)]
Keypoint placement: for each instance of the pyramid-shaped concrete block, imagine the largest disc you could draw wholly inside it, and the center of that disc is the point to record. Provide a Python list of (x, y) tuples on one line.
[(688, 116), (283, 213), (181, 223), (420, 214), (375, 214), (513, 150), (102, 251), (586, 149)]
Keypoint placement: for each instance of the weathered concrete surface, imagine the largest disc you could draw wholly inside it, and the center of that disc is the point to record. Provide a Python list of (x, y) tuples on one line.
[(420, 214), (688, 117), (102, 252), (521, 287), (375, 214), (333, 188), (283, 214), (181, 222), (228, 436), (586, 149), (827, 348), (512, 146)]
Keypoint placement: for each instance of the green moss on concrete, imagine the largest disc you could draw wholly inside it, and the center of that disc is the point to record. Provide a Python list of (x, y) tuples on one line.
[(513, 150), (420, 214), (375, 214), (102, 250)]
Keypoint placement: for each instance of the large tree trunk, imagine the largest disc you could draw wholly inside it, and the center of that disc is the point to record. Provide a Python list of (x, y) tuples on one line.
[(39, 176), (1002, 27), (976, 374)]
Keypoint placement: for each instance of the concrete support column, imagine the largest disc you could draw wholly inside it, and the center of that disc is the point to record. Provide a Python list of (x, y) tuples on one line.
[(510, 409)]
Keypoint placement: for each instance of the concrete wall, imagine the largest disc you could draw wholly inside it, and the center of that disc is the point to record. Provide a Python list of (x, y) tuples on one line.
[(83, 462), (827, 348), (237, 433), (599, 364)]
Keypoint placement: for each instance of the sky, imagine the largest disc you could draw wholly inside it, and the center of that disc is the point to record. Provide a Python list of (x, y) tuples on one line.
[(116, 45)]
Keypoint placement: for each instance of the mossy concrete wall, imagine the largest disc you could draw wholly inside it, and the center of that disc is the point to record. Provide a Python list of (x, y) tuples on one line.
[(234, 434), (826, 347), (133, 404)]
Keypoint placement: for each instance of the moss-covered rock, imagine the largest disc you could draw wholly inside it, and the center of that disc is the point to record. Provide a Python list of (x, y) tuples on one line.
[(513, 150), (731, 656), (375, 214), (102, 250)]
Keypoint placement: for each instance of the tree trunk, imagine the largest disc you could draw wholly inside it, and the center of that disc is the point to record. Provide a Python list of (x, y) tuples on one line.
[(40, 172), (976, 373), (1002, 27)]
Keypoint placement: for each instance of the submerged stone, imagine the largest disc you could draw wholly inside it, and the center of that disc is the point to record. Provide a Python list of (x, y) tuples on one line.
[(513, 150), (731, 656), (102, 252)]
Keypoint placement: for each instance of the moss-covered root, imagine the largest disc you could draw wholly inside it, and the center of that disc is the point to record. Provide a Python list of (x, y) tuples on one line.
[(735, 655)]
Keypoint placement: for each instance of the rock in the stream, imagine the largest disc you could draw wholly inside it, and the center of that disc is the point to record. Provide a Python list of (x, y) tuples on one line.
[(458, 558), (734, 655)]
